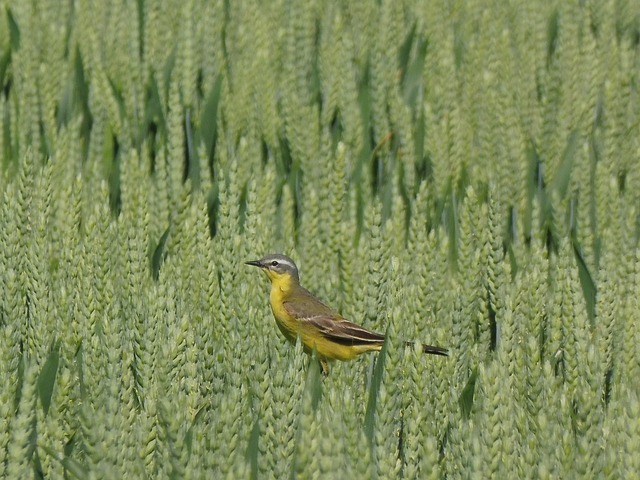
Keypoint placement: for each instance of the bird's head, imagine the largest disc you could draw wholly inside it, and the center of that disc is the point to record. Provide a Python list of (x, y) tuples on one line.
[(279, 268)]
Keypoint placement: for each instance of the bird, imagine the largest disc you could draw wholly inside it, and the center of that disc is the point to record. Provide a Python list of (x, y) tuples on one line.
[(298, 313)]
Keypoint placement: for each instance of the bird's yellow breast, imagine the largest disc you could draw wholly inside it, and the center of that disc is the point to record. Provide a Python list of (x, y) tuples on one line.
[(281, 285)]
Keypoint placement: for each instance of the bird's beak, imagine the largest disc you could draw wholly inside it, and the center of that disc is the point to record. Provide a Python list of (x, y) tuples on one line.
[(254, 263)]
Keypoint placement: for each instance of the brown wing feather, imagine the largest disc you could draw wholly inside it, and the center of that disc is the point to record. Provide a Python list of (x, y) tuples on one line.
[(331, 325), (345, 333)]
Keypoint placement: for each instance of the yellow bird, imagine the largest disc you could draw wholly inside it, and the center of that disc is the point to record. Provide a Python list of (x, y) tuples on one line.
[(299, 314)]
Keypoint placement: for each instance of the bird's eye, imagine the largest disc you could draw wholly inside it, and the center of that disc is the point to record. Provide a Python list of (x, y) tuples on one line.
[(274, 263)]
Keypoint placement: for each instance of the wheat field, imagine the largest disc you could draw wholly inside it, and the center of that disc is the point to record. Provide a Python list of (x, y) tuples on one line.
[(465, 174)]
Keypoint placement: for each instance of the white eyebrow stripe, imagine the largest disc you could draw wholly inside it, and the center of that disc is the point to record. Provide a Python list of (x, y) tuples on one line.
[(287, 262)]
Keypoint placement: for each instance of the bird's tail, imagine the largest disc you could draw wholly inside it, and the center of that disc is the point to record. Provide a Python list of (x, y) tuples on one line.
[(432, 349)]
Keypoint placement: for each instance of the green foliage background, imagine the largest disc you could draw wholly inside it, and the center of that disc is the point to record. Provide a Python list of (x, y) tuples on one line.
[(461, 173)]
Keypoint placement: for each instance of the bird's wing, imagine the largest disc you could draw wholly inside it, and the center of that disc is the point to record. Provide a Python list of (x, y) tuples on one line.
[(313, 313)]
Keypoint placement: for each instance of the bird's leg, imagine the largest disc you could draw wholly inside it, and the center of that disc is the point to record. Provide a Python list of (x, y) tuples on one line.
[(324, 366)]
